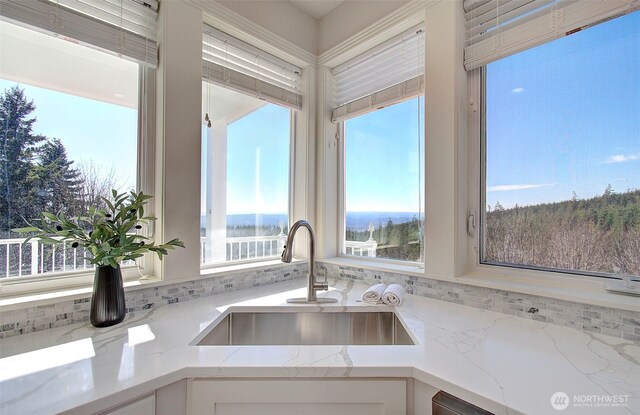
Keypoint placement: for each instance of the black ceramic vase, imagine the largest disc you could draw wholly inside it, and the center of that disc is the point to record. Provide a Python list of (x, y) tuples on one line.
[(107, 301)]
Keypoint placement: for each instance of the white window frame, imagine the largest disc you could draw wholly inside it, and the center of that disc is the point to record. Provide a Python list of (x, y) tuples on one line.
[(145, 182), (477, 145), (571, 286), (204, 267), (329, 147), (302, 173), (342, 206)]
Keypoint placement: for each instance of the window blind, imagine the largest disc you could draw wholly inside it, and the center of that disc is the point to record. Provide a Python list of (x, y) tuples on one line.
[(499, 28), (385, 75), (237, 65), (123, 27)]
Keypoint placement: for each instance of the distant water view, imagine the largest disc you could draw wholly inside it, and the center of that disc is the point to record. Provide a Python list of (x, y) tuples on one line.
[(357, 221)]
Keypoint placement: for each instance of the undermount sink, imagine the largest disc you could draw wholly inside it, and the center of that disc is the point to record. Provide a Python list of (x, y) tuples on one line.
[(305, 328)]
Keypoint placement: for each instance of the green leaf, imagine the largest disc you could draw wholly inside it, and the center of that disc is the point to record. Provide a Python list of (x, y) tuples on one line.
[(109, 204), (50, 216), (176, 242), (48, 241), (26, 229)]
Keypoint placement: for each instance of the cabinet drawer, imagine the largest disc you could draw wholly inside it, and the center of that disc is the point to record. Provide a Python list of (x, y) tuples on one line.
[(304, 396)]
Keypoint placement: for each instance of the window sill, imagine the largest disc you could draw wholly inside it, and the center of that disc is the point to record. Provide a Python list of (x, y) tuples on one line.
[(567, 287), (53, 296), (49, 297), (206, 270), (413, 270)]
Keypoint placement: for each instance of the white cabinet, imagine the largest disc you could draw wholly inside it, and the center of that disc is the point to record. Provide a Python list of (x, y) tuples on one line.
[(299, 396), (143, 406)]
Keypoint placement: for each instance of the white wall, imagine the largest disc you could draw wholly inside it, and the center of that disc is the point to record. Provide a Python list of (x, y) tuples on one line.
[(445, 135), (351, 17), (178, 135), (282, 18), (315, 36)]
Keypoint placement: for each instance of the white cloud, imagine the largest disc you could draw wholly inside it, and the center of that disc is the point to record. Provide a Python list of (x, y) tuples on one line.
[(517, 90), (621, 158), (510, 187)]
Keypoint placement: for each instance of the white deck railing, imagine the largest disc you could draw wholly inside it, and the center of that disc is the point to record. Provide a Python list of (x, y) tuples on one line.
[(249, 247), (367, 248), (19, 259)]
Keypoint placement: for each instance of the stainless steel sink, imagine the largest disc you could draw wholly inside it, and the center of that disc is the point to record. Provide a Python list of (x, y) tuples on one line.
[(306, 328)]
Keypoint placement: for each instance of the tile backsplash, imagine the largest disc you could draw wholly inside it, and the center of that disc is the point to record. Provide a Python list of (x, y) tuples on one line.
[(589, 318), (41, 317)]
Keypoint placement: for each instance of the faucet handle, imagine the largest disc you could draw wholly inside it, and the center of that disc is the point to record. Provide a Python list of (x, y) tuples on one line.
[(324, 283)]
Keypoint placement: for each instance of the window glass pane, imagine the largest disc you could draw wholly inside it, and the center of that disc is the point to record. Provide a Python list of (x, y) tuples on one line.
[(245, 177), (563, 153), (383, 182), (69, 120)]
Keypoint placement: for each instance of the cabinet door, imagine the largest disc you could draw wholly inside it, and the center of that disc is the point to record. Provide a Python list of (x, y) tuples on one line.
[(304, 396), (143, 406)]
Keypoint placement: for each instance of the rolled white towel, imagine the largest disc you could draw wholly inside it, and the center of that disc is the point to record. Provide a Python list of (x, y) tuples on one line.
[(393, 295), (373, 295)]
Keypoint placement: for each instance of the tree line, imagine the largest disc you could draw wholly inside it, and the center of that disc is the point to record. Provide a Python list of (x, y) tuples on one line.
[(35, 171), (395, 240), (600, 234)]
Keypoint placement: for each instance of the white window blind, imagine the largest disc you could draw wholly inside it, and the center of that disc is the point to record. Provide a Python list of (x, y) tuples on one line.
[(123, 27), (499, 28), (385, 75), (237, 65)]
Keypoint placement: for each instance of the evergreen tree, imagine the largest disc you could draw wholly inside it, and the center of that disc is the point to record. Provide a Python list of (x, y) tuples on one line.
[(18, 147), (388, 230), (58, 185), (608, 191)]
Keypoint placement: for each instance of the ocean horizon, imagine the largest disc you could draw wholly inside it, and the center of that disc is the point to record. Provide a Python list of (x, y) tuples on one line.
[(355, 220)]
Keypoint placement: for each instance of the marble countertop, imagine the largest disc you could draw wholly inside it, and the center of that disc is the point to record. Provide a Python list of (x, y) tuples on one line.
[(503, 363)]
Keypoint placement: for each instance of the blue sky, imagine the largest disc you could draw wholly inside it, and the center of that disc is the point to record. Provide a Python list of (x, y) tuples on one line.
[(383, 150), (565, 117), (258, 161), (91, 131), (258, 151)]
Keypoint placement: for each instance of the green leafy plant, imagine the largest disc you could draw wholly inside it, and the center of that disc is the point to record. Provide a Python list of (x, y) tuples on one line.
[(109, 235)]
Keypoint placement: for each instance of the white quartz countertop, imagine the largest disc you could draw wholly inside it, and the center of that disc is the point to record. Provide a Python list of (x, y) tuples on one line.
[(502, 363)]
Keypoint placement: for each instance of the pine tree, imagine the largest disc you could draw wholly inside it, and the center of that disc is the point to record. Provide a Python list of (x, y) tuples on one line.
[(388, 230), (608, 191), (18, 147), (58, 185)]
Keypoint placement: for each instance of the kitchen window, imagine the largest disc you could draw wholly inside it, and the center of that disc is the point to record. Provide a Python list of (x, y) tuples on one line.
[(75, 117), (246, 147), (383, 185), (561, 154), (249, 103), (380, 118)]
